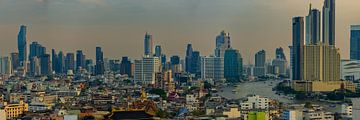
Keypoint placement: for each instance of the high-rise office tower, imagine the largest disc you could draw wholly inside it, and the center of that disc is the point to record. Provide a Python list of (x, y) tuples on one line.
[(329, 22), (355, 42), (260, 59), (188, 58), (315, 26), (58, 62), (297, 47), (175, 60), (212, 68), (196, 63), (146, 69), (320, 63), (233, 65), (158, 51), (45, 64), (70, 62), (89, 66), (80, 59), (280, 53), (148, 45), (308, 28), (5, 66), (61, 63), (22, 48), (35, 66), (36, 50), (125, 67), (222, 43), (15, 60), (99, 67), (175, 64)]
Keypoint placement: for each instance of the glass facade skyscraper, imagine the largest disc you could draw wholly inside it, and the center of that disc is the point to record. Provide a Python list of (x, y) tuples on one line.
[(329, 22), (148, 45), (233, 65), (297, 47), (22, 48), (355, 42), (99, 67)]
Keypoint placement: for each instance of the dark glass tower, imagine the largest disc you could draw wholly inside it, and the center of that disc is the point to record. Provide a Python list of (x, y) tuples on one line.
[(233, 65), (188, 58), (80, 59), (99, 67), (22, 48), (148, 45), (297, 46), (329, 22), (355, 42), (70, 62)]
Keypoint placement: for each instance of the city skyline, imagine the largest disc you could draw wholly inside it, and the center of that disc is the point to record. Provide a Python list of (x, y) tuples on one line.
[(71, 35)]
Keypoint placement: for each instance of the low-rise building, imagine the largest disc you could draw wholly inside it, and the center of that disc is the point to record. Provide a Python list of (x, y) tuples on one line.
[(255, 102), (15, 110)]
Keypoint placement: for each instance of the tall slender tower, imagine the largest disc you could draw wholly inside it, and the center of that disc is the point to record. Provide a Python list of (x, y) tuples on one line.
[(188, 58), (308, 27), (315, 26), (148, 45), (222, 43), (297, 47), (22, 48), (99, 67), (329, 22)]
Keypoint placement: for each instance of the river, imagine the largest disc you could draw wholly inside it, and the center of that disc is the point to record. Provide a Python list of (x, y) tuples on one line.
[(264, 89)]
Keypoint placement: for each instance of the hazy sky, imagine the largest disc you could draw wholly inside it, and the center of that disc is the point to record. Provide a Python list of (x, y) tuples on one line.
[(119, 25)]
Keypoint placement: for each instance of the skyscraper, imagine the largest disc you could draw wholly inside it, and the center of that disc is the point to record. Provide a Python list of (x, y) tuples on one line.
[(175, 60), (148, 44), (329, 22), (70, 62), (355, 42), (297, 47), (320, 63), (35, 66), (36, 50), (308, 28), (125, 67), (260, 58), (80, 59), (45, 64), (315, 26), (212, 68), (15, 60), (188, 58), (58, 62), (196, 63), (158, 51), (5, 66), (145, 70), (99, 67), (22, 48), (233, 65), (280, 53), (222, 43)]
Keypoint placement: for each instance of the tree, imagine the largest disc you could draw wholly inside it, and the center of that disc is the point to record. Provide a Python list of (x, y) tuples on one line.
[(308, 105), (159, 92)]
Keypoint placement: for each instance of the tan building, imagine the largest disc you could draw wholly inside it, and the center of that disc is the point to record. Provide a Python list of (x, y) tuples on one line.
[(15, 110), (320, 62), (322, 86)]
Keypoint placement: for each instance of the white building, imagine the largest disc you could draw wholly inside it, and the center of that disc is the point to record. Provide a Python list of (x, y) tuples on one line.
[(346, 110), (317, 115), (255, 102), (356, 108), (212, 68), (350, 69), (145, 70), (292, 115)]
